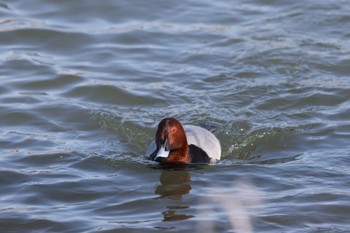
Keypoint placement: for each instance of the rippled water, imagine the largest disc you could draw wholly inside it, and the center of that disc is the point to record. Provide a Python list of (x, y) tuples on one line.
[(84, 84)]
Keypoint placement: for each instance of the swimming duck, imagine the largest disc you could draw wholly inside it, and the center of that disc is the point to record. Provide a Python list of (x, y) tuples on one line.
[(183, 144)]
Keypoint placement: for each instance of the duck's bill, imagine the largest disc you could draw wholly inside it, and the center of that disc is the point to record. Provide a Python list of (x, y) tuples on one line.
[(162, 154)]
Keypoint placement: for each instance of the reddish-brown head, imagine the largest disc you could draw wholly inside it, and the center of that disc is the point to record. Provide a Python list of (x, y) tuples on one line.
[(171, 142)]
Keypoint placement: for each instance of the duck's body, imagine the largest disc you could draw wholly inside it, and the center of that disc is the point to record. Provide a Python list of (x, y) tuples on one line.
[(175, 143)]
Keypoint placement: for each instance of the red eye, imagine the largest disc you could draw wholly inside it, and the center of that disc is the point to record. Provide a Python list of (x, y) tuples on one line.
[(173, 130)]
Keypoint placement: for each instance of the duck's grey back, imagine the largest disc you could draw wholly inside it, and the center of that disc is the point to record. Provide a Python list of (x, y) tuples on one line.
[(205, 140)]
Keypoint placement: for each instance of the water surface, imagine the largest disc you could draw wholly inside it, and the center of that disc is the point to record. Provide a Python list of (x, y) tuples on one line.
[(84, 84)]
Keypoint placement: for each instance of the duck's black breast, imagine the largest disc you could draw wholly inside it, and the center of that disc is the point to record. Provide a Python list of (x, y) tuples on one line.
[(198, 155)]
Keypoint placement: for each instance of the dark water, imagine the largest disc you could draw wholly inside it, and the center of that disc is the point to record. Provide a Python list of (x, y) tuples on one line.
[(84, 83)]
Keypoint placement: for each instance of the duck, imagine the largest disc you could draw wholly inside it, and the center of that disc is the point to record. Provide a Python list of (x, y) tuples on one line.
[(175, 143)]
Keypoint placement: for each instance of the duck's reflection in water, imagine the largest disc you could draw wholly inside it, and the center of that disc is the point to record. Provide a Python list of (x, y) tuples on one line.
[(173, 185)]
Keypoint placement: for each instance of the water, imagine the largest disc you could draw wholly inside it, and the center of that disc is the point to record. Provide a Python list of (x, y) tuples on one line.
[(84, 84)]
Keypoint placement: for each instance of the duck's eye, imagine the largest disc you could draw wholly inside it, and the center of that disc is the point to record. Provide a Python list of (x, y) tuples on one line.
[(173, 130)]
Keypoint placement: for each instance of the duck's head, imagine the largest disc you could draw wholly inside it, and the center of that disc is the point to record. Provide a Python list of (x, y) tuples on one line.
[(171, 142)]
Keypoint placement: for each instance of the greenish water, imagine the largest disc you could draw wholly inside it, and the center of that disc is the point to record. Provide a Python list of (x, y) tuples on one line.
[(84, 84)]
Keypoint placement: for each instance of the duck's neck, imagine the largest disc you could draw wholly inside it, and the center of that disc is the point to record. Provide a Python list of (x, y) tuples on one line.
[(179, 155)]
